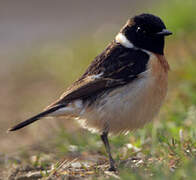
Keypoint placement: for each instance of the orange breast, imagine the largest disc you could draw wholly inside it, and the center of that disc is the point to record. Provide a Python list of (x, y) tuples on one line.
[(159, 68)]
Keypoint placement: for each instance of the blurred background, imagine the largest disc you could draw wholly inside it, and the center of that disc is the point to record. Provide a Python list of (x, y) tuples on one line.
[(46, 45)]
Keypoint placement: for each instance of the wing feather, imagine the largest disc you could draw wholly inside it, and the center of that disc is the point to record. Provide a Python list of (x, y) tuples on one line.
[(116, 66)]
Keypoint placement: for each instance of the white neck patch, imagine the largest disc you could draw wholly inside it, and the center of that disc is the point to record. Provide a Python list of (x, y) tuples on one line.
[(121, 38)]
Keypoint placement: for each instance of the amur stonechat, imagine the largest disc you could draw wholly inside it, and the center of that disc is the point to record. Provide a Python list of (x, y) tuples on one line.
[(124, 86)]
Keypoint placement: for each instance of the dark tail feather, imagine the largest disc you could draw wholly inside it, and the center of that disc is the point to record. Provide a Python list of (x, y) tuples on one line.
[(35, 118)]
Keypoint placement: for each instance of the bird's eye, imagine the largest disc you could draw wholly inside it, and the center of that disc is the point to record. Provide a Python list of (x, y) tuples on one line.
[(140, 30)]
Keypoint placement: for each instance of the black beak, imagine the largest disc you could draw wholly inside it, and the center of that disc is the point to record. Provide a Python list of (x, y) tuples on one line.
[(164, 32)]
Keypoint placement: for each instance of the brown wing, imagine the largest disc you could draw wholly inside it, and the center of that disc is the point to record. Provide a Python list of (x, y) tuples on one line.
[(86, 87), (116, 66)]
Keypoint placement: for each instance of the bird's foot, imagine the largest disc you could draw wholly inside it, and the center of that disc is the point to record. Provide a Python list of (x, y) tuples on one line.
[(112, 168)]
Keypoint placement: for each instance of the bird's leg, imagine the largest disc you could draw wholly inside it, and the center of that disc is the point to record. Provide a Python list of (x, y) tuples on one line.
[(104, 138)]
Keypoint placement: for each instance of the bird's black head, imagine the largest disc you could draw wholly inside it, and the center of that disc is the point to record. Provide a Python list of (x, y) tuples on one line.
[(146, 31)]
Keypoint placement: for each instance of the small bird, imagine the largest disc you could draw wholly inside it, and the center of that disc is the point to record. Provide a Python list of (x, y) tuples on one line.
[(123, 88)]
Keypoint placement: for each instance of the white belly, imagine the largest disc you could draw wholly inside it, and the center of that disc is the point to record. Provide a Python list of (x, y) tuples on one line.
[(127, 108)]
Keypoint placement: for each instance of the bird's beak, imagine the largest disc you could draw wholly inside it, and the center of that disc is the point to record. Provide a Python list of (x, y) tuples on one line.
[(164, 32)]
